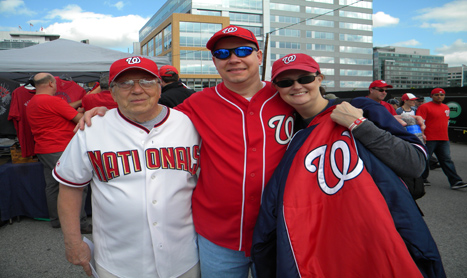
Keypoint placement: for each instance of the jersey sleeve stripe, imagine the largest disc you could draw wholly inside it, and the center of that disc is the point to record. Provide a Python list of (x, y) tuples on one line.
[(66, 182)]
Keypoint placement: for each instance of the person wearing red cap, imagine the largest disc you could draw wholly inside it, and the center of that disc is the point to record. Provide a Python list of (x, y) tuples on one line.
[(141, 161), (436, 115), (174, 91), (100, 96), (337, 190), (378, 91), (408, 101)]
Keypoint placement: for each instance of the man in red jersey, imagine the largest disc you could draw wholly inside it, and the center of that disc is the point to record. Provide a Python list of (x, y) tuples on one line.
[(436, 115), (52, 121), (101, 98), (378, 91)]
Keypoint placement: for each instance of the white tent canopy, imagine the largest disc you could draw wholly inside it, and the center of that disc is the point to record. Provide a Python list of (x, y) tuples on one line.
[(82, 62)]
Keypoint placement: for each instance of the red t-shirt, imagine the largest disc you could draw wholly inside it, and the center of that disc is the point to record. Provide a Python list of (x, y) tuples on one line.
[(104, 98), (436, 117), (20, 99), (389, 107), (51, 123), (70, 91)]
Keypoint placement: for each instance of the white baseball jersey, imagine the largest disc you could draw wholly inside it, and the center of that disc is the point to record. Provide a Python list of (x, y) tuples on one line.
[(142, 182)]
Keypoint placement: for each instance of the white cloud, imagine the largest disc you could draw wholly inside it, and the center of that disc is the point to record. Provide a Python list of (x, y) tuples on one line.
[(454, 54), (451, 17), (14, 7), (411, 42), (380, 19), (101, 30), (119, 5)]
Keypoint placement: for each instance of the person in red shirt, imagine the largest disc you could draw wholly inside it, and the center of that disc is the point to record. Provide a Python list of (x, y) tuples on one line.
[(52, 121), (436, 115), (378, 91), (101, 98)]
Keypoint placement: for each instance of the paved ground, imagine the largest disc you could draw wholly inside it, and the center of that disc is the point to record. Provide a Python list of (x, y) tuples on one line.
[(31, 248)]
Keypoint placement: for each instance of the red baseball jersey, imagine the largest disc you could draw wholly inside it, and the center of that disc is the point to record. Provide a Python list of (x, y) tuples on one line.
[(104, 98), (436, 117), (69, 90), (50, 119), (242, 143), (20, 99)]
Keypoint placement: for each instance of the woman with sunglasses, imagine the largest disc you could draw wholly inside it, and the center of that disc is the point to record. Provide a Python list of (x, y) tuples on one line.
[(332, 208)]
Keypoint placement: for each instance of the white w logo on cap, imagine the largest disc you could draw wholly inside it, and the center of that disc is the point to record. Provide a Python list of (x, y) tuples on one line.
[(133, 60), (289, 59), (229, 30)]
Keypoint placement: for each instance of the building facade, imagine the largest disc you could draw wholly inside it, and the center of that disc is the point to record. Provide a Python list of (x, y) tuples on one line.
[(338, 35), (409, 68), (20, 39), (457, 76)]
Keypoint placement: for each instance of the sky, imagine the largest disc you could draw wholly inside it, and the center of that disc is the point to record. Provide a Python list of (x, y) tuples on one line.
[(440, 26)]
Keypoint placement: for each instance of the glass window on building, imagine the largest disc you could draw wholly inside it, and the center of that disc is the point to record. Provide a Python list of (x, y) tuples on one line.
[(323, 59), (328, 83), (355, 38), (246, 4), (284, 19), (352, 61), (286, 45), (167, 37), (322, 1), (144, 51), (206, 12), (314, 10), (196, 33), (245, 18), (355, 26), (355, 15), (150, 49), (320, 47), (288, 33), (347, 72), (326, 71), (320, 35), (321, 23), (284, 7), (353, 3), (158, 43), (358, 50)]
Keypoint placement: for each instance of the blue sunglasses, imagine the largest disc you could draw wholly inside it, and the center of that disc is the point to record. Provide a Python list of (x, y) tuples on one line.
[(240, 52)]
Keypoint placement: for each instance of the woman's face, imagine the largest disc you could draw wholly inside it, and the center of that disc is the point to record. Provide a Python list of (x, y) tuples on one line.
[(299, 95)]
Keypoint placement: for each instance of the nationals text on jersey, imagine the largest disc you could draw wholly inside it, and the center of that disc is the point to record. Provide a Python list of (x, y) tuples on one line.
[(106, 165)]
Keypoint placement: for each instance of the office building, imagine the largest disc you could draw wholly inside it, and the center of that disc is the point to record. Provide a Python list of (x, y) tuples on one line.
[(20, 39), (338, 36), (409, 68), (457, 76)]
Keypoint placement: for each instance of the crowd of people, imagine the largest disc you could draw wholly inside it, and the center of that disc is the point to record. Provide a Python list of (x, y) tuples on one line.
[(250, 177)]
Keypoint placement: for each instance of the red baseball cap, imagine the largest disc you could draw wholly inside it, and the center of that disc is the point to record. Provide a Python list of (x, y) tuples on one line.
[(438, 91), (379, 84), (231, 31), (408, 96), (135, 62), (167, 70), (298, 61)]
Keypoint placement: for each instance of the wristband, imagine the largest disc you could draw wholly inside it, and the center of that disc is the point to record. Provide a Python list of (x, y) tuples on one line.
[(356, 123)]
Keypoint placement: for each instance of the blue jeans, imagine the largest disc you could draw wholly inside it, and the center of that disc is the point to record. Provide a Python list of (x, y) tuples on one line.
[(443, 153), (221, 262)]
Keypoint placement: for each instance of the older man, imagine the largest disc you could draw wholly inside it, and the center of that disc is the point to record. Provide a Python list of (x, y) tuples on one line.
[(141, 160), (52, 121)]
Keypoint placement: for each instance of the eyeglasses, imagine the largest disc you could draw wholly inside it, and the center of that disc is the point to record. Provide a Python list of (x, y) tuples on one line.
[(289, 82), (144, 83), (380, 89), (242, 51), (438, 95)]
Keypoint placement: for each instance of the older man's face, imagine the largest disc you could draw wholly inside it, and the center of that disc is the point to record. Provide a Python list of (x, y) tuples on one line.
[(139, 102)]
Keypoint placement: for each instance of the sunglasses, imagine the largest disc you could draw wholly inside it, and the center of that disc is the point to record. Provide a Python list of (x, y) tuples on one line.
[(380, 89), (438, 95), (242, 51), (302, 80)]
